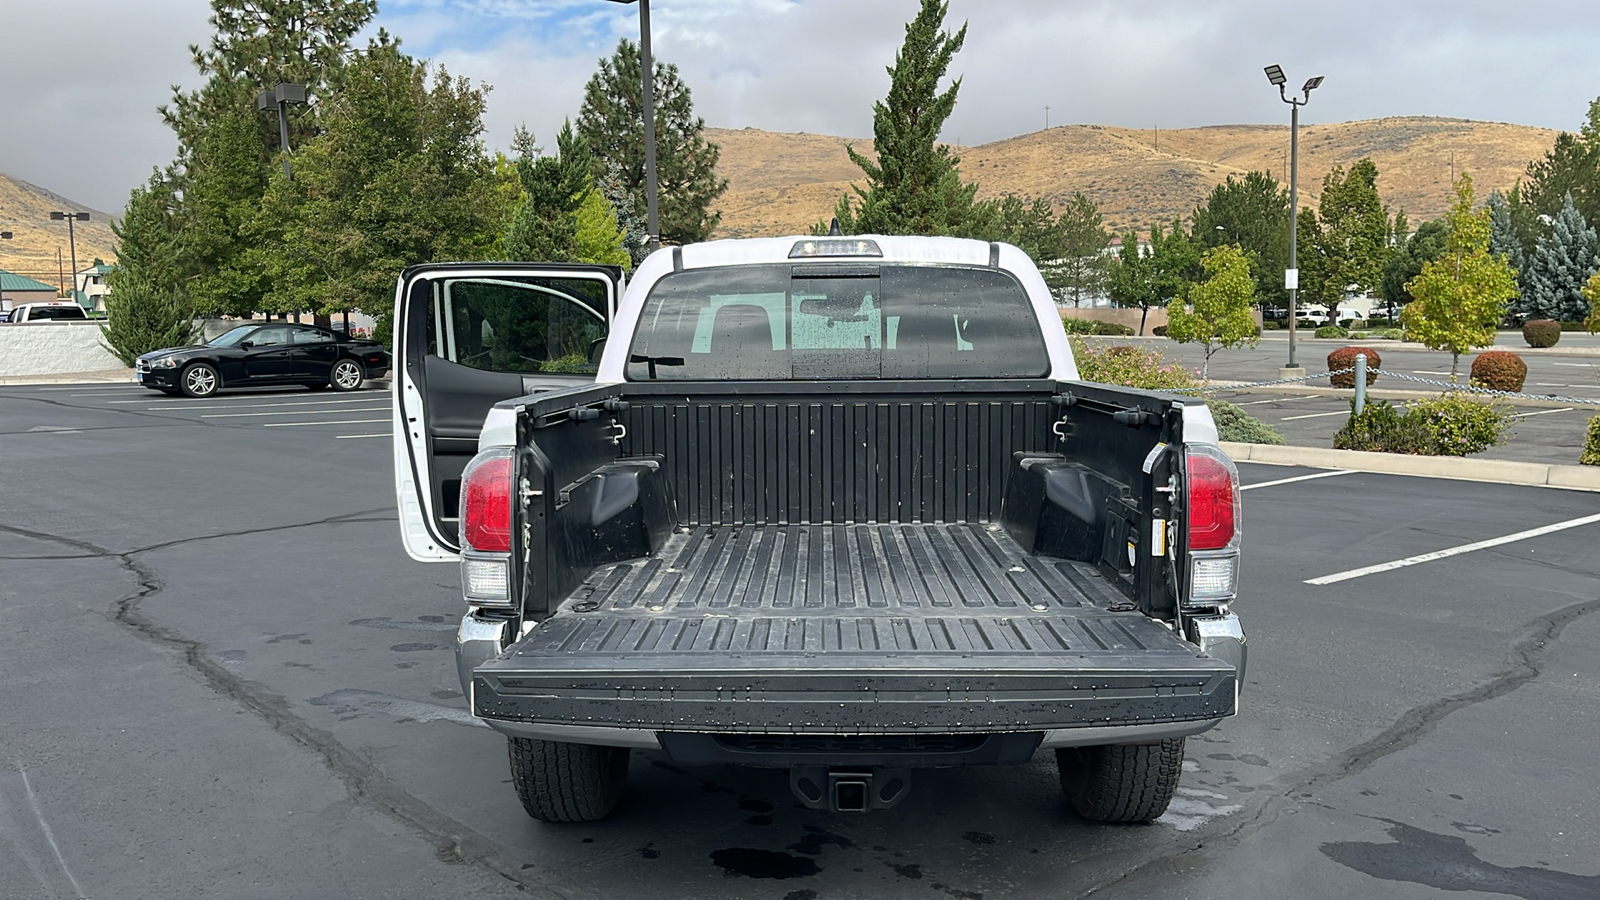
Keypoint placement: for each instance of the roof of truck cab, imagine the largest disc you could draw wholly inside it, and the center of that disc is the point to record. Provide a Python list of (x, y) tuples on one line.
[(747, 251)]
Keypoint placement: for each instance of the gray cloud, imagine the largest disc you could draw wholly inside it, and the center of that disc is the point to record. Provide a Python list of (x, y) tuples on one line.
[(88, 129)]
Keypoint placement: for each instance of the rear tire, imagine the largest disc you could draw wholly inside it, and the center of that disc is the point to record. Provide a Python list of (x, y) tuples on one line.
[(346, 375), (559, 782), (1121, 783)]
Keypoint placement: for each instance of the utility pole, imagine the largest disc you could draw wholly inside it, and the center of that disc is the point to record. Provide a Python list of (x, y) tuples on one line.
[(1047, 117), (72, 240)]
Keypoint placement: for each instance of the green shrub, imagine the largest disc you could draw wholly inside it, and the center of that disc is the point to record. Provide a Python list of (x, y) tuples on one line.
[(1137, 367), (1390, 334), (1111, 329), (1234, 424), (1456, 423), (1541, 332), (1357, 335), (1591, 445), (1499, 370), (1345, 358), (1452, 424), (1077, 326), (1331, 331), (1271, 325), (1574, 326), (1159, 331)]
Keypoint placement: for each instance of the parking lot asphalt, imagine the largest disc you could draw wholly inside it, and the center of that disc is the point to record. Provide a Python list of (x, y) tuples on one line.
[(1544, 433), (224, 678)]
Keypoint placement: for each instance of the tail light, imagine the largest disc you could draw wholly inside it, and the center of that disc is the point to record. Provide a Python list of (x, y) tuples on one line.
[(1211, 500), (486, 489), (486, 503)]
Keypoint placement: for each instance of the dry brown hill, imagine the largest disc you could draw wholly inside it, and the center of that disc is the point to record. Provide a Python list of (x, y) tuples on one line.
[(25, 212), (783, 183)]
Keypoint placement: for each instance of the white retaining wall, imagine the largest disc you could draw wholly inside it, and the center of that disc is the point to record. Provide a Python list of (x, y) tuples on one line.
[(53, 348)]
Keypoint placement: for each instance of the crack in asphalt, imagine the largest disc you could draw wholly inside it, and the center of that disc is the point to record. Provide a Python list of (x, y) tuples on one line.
[(342, 519), (454, 842), (1525, 664), (90, 407)]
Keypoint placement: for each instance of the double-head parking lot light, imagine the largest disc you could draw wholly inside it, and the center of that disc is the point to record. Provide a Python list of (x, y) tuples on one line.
[(1291, 278), (72, 241), (279, 98)]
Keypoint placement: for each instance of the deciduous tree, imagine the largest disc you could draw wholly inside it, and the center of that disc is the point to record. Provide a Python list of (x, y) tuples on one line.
[(1218, 309), (1251, 212), (1460, 297), (1349, 237), (1131, 280)]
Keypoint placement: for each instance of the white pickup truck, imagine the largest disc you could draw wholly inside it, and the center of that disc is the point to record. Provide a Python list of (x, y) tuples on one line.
[(834, 505)]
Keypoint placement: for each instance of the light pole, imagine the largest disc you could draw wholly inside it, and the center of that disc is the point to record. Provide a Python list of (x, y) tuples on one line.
[(647, 77), (1291, 278), (280, 98), (72, 242)]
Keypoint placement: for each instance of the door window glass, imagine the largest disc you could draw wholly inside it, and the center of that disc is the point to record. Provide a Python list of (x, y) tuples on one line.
[(518, 324), (303, 335), (270, 337)]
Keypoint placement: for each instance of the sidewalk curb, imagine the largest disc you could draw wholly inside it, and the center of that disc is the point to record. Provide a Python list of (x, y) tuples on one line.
[(66, 378), (1582, 478), (1311, 390)]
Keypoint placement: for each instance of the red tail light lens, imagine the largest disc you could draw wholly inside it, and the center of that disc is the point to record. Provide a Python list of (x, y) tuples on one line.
[(486, 504), (1213, 500)]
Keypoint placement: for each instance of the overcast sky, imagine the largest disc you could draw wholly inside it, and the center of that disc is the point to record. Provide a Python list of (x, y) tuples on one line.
[(80, 79)]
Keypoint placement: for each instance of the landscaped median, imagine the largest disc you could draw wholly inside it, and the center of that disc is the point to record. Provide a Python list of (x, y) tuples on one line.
[(1584, 478)]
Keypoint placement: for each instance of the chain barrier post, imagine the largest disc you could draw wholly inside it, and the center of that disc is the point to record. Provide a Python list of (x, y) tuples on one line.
[(1361, 382)]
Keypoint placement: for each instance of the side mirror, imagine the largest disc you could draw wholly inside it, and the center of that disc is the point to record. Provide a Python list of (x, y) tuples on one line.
[(246, 345), (597, 348)]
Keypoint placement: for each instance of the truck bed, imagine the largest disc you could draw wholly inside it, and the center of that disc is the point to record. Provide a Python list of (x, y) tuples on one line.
[(852, 629)]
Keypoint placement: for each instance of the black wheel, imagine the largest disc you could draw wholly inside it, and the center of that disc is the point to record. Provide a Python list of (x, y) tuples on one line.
[(200, 380), (560, 782), (346, 375), (1121, 782)]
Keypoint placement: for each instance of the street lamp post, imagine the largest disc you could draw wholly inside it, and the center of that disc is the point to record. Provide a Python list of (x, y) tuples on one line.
[(279, 98), (72, 242), (647, 87), (1291, 278)]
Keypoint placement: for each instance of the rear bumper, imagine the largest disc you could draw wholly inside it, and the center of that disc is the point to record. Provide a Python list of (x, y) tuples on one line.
[(801, 701)]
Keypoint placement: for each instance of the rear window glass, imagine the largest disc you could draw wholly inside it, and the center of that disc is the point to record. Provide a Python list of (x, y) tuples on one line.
[(789, 322)]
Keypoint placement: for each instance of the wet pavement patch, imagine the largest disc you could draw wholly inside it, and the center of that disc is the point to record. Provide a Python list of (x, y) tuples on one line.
[(817, 838), (752, 863), (1448, 863)]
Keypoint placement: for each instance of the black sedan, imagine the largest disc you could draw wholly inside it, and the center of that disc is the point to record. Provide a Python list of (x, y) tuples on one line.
[(274, 353)]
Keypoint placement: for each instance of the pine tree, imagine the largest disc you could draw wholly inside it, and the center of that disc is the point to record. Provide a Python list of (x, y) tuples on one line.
[(1562, 262), (544, 226), (1461, 296), (1571, 167), (635, 233), (596, 236), (611, 120), (147, 309), (1082, 269), (915, 186)]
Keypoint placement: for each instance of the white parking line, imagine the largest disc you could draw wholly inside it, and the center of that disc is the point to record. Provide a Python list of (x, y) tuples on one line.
[(340, 422), (346, 437), (293, 412), (1575, 365), (1453, 551), (1256, 402), (1251, 487), (1341, 412), (284, 403), (1542, 412)]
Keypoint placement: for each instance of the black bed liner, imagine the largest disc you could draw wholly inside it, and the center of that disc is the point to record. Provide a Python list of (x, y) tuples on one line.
[(850, 629)]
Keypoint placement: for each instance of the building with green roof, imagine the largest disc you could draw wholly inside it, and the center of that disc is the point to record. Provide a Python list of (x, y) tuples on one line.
[(16, 290)]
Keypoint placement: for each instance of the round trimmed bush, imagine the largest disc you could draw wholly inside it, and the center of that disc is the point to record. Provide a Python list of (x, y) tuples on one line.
[(1541, 332), (1159, 331), (1345, 358), (1111, 329), (1332, 331), (1499, 370)]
